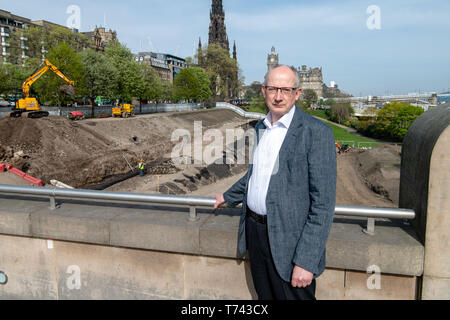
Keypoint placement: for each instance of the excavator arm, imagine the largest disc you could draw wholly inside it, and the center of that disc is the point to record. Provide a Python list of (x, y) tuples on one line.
[(30, 104), (39, 72)]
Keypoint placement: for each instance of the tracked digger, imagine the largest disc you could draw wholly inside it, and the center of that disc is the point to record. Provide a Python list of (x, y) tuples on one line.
[(30, 105)]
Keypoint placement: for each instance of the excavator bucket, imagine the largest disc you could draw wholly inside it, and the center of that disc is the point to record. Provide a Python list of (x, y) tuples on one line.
[(67, 89)]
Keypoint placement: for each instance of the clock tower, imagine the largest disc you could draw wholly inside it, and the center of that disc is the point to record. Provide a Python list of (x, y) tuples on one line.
[(272, 59)]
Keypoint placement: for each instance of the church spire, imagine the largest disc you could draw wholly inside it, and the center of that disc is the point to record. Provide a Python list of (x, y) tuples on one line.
[(217, 7), (234, 51), (199, 52), (217, 29)]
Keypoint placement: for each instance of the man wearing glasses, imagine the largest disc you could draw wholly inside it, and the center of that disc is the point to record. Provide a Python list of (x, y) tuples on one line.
[(288, 194)]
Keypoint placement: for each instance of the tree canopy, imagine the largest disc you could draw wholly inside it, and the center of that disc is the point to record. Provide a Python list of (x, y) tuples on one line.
[(192, 84), (114, 73), (309, 96), (222, 71), (48, 87), (390, 122)]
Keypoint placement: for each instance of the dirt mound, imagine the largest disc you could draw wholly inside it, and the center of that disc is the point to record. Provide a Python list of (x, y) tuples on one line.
[(380, 169), (368, 177), (20, 134), (49, 148), (86, 152)]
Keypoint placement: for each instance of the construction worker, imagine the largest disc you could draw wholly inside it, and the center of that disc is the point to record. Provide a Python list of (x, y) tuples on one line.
[(141, 168)]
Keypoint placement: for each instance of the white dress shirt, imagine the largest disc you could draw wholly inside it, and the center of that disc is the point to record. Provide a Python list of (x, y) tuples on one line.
[(265, 160)]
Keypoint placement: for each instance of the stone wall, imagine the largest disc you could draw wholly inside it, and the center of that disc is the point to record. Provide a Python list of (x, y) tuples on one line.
[(424, 187), (123, 251)]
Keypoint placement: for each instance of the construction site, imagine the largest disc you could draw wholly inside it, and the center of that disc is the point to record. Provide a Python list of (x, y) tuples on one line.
[(103, 154)]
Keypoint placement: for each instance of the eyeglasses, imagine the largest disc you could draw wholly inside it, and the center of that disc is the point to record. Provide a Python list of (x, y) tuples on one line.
[(284, 91)]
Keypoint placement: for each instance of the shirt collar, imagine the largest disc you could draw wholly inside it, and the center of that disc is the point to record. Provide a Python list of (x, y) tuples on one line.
[(285, 120)]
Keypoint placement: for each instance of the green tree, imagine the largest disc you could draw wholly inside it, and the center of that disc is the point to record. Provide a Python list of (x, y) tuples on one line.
[(167, 91), (406, 116), (394, 119), (186, 85), (329, 102), (222, 71), (340, 112), (129, 76), (192, 84), (385, 116), (48, 87), (55, 35), (204, 84), (151, 86), (35, 42), (100, 76), (258, 104), (11, 79), (309, 96), (253, 90)]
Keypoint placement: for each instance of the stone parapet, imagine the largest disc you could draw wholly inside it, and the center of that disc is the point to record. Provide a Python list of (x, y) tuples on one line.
[(148, 237)]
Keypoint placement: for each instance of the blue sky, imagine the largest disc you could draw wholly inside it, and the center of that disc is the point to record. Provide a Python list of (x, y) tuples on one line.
[(410, 51)]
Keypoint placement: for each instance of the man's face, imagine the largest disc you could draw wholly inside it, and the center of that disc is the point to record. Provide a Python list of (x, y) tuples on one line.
[(279, 102)]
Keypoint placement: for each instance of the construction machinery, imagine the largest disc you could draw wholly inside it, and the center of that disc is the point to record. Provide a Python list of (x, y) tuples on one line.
[(75, 115), (345, 148), (30, 104), (123, 110)]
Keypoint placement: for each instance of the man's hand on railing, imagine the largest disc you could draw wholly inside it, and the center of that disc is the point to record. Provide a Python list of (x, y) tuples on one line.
[(219, 201)]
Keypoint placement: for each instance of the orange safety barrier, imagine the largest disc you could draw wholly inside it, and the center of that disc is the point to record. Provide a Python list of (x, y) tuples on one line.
[(24, 176)]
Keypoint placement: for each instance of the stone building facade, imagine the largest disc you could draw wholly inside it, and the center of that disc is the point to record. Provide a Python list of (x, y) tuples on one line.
[(15, 47), (10, 24), (100, 37), (309, 78), (167, 66)]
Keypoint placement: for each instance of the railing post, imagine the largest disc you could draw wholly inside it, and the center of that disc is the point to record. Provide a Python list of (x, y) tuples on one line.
[(53, 204), (370, 229), (193, 214)]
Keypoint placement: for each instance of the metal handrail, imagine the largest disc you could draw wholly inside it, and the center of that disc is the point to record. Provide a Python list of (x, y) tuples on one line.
[(240, 111), (192, 202)]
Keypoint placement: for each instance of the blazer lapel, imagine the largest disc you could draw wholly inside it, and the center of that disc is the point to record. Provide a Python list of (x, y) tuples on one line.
[(259, 131), (289, 143)]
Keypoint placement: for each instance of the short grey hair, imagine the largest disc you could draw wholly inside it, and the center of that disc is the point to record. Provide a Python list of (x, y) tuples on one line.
[(297, 78)]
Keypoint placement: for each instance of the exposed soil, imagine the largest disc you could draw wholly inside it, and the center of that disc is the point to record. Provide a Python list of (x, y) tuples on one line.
[(94, 152), (364, 178), (81, 153)]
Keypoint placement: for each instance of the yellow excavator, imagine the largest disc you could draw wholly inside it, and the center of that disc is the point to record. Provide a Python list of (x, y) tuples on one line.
[(123, 110), (30, 104)]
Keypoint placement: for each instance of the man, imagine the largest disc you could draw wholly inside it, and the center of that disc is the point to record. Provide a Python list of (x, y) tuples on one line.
[(288, 194), (141, 167)]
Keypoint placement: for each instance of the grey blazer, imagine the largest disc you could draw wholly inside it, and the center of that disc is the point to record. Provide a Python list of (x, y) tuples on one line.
[(300, 199)]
